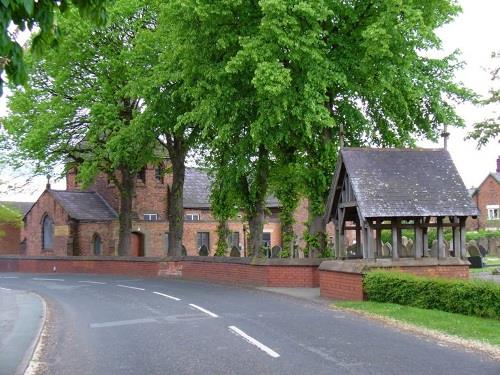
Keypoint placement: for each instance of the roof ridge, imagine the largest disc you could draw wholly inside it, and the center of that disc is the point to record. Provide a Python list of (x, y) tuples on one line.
[(106, 203)]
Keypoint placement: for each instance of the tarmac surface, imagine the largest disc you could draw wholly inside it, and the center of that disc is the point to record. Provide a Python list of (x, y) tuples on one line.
[(125, 325)]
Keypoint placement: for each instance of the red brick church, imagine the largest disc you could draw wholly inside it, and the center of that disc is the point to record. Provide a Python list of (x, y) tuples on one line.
[(85, 222)]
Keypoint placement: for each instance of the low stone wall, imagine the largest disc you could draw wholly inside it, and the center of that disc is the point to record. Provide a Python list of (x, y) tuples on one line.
[(344, 279), (240, 271)]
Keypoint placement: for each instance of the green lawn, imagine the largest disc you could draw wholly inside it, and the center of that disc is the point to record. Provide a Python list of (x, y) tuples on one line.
[(469, 327), (491, 261)]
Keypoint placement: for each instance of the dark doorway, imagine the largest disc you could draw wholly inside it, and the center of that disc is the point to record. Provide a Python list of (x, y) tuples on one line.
[(137, 244)]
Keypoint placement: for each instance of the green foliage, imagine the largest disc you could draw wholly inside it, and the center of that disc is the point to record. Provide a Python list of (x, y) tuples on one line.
[(478, 235), (77, 109), (479, 298), (489, 129), (21, 15), (10, 215), (447, 234), (223, 234)]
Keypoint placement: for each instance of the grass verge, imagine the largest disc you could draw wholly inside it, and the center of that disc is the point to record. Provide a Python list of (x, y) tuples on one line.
[(467, 327)]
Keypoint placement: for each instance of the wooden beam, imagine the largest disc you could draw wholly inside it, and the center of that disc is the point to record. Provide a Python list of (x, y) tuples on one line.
[(359, 245), (378, 241), (456, 238), (419, 239), (463, 253), (395, 238), (369, 242), (348, 204), (441, 251)]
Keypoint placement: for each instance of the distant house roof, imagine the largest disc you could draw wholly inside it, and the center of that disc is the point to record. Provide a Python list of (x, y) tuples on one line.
[(84, 205), (197, 190), (403, 183), (22, 207), (494, 175)]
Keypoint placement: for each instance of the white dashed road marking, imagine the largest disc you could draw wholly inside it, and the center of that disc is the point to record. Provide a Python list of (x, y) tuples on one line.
[(92, 282), (44, 279), (166, 295), (7, 289), (130, 287), (9, 277), (123, 323), (204, 310), (252, 341)]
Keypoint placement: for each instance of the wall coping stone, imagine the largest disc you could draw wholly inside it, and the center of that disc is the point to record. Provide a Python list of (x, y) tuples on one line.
[(210, 259), (364, 265)]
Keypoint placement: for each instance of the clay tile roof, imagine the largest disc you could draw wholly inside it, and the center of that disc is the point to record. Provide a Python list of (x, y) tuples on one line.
[(22, 207), (83, 205), (406, 183), (197, 190)]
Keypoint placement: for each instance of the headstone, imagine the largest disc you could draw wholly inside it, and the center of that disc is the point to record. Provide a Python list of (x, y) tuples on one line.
[(406, 247), (473, 249), (483, 250), (203, 251), (434, 249), (275, 251), (352, 250), (386, 249), (235, 252), (183, 251)]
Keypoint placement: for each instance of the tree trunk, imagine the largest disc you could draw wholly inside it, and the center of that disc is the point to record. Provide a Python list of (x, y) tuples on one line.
[(256, 215), (176, 203), (127, 190), (317, 230)]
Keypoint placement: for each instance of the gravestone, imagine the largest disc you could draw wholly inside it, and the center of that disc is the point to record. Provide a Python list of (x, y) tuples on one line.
[(483, 250), (352, 250), (203, 251), (434, 249), (235, 252), (183, 251), (473, 249), (275, 252), (386, 249)]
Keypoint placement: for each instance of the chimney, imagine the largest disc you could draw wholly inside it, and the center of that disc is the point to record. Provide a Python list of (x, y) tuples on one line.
[(48, 182), (498, 165)]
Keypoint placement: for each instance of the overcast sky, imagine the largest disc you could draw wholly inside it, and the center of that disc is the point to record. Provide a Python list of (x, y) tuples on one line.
[(476, 33)]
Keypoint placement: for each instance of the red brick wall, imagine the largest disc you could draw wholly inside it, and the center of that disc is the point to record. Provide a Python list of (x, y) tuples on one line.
[(341, 285), (10, 239), (211, 270), (62, 244), (488, 193), (349, 285), (86, 233)]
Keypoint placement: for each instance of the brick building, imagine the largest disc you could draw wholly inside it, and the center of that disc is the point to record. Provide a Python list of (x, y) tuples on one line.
[(487, 199), (11, 241), (85, 222)]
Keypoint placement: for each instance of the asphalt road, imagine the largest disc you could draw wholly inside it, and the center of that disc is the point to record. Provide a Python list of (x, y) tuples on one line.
[(122, 325)]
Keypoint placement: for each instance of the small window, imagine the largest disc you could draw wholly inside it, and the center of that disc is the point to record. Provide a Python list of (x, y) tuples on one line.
[(151, 217), (47, 233), (97, 244), (235, 239), (203, 238), (493, 211), (266, 239), (141, 175), (159, 174), (166, 242), (192, 217)]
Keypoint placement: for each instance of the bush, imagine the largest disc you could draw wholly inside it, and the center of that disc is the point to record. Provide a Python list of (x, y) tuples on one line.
[(479, 298)]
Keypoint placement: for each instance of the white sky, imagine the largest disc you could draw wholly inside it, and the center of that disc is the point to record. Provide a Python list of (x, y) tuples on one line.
[(476, 33)]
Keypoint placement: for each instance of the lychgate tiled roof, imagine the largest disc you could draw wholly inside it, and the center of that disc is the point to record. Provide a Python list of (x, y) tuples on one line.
[(406, 183), (197, 190), (84, 205)]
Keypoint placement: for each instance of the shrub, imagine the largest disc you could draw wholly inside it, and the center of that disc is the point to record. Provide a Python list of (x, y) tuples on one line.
[(479, 298)]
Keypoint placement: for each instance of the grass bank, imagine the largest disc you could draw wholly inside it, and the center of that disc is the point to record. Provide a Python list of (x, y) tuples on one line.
[(467, 327)]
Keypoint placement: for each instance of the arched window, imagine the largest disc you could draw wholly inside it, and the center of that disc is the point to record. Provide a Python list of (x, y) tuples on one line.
[(97, 244), (47, 233)]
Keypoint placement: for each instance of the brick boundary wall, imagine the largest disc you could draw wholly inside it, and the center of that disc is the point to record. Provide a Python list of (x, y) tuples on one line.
[(238, 271), (343, 280)]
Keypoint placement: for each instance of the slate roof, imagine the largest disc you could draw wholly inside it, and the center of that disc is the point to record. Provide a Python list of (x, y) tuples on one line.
[(84, 205), (197, 190), (22, 207), (406, 183)]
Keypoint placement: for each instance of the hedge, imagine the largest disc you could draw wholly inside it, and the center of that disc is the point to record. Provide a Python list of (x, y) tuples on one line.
[(479, 298)]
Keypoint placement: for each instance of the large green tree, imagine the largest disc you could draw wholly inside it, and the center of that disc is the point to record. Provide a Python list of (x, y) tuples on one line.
[(77, 108), (39, 16), (275, 78)]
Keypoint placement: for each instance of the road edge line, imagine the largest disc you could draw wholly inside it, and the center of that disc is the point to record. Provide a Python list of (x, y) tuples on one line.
[(30, 362)]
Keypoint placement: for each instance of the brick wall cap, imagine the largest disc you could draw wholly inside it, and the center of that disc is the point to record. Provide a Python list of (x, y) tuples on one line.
[(365, 265)]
